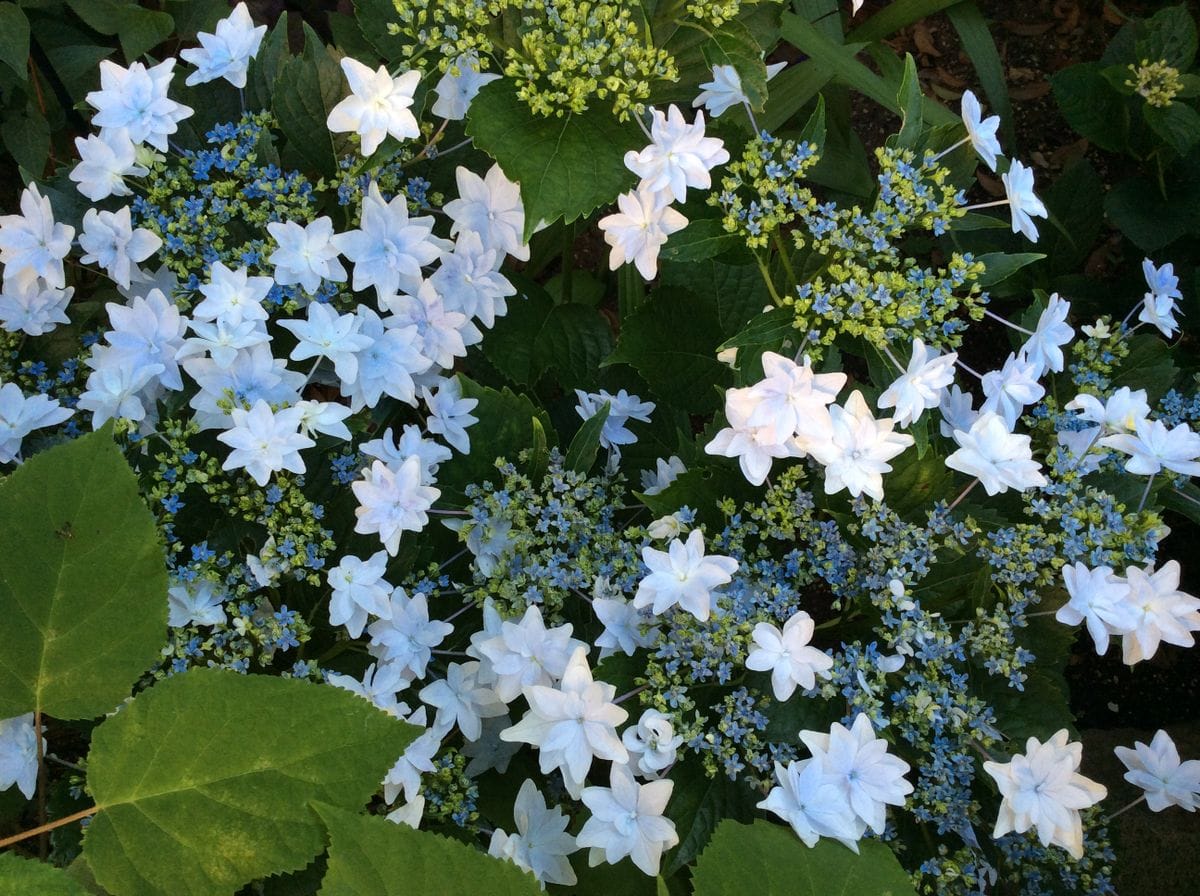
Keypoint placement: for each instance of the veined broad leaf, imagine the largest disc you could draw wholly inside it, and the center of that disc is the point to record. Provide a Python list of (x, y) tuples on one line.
[(25, 877), (567, 166), (204, 782), (370, 856), (781, 865), (83, 583)]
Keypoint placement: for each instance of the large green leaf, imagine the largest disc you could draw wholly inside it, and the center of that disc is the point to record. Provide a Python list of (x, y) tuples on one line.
[(83, 584), (1091, 106), (737, 291), (1152, 218), (306, 88), (672, 342), (370, 856), (537, 336), (138, 29), (698, 241), (999, 266), (373, 17), (1077, 202), (567, 166), (264, 67), (778, 864), (1177, 124), (1150, 365), (26, 136), (1169, 35), (14, 38), (204, 782), (193, 16), (699, 804), (909, 99), (26, 877)]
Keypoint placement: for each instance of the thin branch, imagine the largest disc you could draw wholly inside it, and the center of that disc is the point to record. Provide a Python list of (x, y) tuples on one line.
[(42, 829)]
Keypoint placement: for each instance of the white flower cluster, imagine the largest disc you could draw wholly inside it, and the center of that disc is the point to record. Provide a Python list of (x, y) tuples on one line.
[(679, 156)]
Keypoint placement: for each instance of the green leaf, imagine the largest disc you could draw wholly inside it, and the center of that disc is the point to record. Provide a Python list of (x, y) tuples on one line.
[(1177, 124), (204, 782), (698, 241), (1150, 219), (1169, 35), (909, 101), (779, 864), (306, 88), (841, 61), (370, 856), (815, 129), (740, 42), (137, 28), (264, 68), (349, 39), (1000, 266), (77, 67), (767, 331), (980, 48), (26, 136), (373, 17), (916, 481), (975, 221), (14, 39), (733, 44), (1091, 106), (672, 342), (700, 489), (581, 453), (1149, 365), (83, 583), (1076, 201), (699, 804), (537, 336), (896, 15), (27, 877), (194, 16), (567, 167), (737, 291)]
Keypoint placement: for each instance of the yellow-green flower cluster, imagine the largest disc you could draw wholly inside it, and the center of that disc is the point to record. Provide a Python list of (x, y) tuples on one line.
[(450, 28), (1157, 82), (575, 51), (718, 12), (560, 54)]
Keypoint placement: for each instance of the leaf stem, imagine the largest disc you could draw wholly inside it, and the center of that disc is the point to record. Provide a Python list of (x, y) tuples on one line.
[(630, 290), (46, 828), (1146, 493), (783, 257), (44, 839), (1125, 808), (762, 266)]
